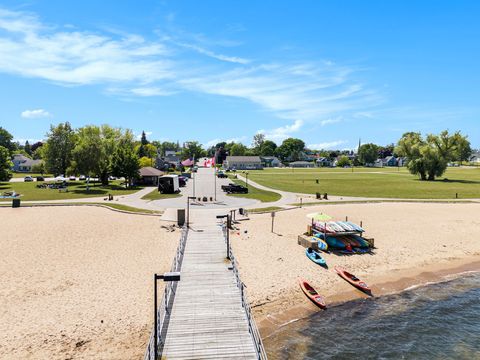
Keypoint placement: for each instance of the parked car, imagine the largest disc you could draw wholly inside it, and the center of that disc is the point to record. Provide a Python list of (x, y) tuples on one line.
[(234, 189), (221, 174), (40, 178), (28, 178), (82, 178), (182, 181), (112, 178), (72, 178)]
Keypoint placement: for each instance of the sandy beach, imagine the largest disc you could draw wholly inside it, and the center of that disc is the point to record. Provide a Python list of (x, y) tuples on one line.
[(415, 242), (77, 282)]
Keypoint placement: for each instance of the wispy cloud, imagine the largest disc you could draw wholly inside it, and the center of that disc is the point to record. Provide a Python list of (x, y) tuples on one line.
[(282, 132), (327, 145), (35, 114), (129, 65)]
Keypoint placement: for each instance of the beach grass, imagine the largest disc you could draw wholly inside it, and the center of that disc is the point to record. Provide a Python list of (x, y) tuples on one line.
[(265, 209), (76, 190), (256, 193), (157, 195), (372, 182)]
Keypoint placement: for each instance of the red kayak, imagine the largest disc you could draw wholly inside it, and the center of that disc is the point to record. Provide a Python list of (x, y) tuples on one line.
[(312, 294), (352, 279)]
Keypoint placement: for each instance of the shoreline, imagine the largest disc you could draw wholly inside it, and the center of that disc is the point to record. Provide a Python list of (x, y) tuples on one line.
[(381, 286)]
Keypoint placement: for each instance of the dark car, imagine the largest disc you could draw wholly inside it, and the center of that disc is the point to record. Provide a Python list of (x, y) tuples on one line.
[(40, 178), (182, 181), (221, 175), (234, 189)]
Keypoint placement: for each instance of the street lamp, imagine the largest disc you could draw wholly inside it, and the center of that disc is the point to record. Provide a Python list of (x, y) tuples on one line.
[(228, 232), (169, 276), (188, 208), (215, 182)]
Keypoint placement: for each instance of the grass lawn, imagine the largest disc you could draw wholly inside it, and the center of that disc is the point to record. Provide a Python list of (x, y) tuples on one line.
[(76, 189), (157, 195), (34, 175), (257, 194), (372, 182), (265, 209)]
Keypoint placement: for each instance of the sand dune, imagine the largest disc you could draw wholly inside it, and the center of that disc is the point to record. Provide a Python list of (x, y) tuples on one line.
[(77, 282)]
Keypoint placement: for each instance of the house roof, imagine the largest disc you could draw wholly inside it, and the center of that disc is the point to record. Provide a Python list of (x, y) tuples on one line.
[(150, 171), (244, 159), (20, 158), (301, 162)]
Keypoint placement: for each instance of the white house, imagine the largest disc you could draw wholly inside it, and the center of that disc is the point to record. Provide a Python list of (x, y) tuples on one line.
[(243, 163), (475, 158), (271, 161), (21, 163)]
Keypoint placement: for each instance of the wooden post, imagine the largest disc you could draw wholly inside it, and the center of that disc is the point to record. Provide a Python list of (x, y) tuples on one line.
[(346, 218), (273, 218), (301, 202)]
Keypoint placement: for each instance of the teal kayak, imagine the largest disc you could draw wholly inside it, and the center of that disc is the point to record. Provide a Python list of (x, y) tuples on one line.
[(315, 257)]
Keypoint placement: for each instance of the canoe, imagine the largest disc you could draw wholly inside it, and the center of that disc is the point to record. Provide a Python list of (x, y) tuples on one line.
[(315, 257), (312, 294), (352, 279)]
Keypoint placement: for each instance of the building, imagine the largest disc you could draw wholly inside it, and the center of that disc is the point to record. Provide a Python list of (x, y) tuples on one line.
[(270, 161), (390, 161), (323, 162), (149, 176), (301, 164), (475, 158), (21, 163), (243, 163)]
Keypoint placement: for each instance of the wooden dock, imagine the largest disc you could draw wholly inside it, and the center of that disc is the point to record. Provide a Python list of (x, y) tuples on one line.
[(208, 320)]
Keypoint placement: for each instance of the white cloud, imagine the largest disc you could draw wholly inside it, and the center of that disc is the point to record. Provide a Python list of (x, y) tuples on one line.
[(330, 121), (221, 57), (326, 145), (35, 114), (282, 132), (138, 135)]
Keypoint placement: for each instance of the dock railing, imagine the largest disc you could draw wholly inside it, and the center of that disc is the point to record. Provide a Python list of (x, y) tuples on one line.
[(252, 326), (164, 310)]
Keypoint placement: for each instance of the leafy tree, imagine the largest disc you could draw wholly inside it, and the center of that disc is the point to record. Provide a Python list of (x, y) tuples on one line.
[(429, 157), (258, 140), (39, 168), (58, 148), (268, 148), (145, 161), (125, 160), (36, 146), (88, 152), (6, 140), (367, 153), (192, 149), (291, 149), (5, 164), (343, 161), (150, 151), (238, 149), (384, 151), (28, 148)]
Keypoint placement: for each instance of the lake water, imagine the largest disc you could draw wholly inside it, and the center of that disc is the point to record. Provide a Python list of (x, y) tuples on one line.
[(437, 321)]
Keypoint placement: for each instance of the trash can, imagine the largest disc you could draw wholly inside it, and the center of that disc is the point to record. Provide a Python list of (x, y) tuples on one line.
[(15, 203), (180, 217)]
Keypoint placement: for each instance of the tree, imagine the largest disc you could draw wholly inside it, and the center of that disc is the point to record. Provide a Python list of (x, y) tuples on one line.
[(88, 152), (267, 148), (384, 151), (39, 168), (28, 148), (58, 148), (291, 149), (367, 153), (343, 161), (238, 149), (6, 141), (192, 149), (5, 164), (258, 140), (145, 161), (125, 160), (429, 157)]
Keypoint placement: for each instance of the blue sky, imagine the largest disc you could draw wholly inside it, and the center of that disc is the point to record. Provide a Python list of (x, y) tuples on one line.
[(329, 72)]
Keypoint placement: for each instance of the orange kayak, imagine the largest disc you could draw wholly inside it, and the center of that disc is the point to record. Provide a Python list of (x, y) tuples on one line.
[(312, 294), (352, 279)]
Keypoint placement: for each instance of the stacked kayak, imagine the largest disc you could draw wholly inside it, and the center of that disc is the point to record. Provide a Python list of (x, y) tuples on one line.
[(337, 226)]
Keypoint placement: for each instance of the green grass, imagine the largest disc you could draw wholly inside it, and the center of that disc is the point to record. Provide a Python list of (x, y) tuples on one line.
[(156, 195), (76, 189), (256, 193), (372, 182), (265, 209), (34, 175)]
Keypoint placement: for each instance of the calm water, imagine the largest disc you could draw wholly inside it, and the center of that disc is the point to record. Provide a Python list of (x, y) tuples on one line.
[(438, 321)]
